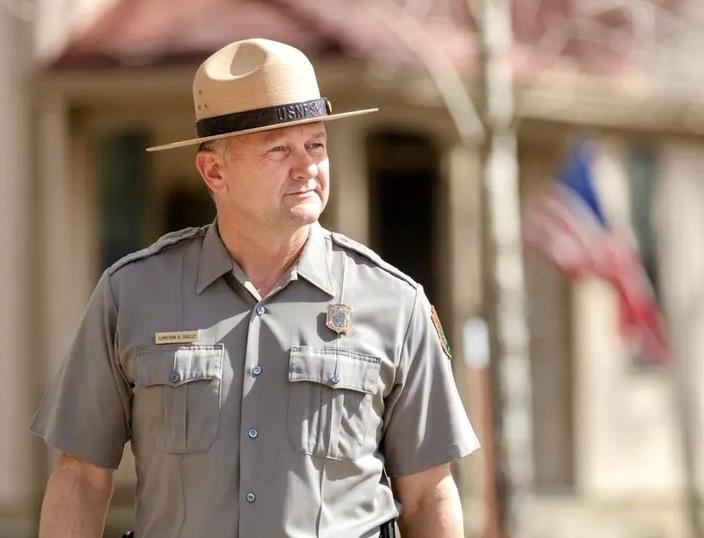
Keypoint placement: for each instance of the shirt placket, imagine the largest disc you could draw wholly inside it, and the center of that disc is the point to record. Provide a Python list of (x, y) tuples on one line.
[(251, 498)]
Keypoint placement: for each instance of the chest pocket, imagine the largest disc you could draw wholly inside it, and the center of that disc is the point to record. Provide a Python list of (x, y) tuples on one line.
[(177, 395), (329, 401)]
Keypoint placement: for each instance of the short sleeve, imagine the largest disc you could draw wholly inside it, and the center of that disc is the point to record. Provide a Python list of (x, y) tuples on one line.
[(426, 423), (86, 411)]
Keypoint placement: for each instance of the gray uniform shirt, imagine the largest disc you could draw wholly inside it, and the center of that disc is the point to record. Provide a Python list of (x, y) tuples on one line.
[(251, 417)]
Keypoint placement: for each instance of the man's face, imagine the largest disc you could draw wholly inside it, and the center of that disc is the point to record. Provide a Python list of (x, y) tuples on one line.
[(277, 179)]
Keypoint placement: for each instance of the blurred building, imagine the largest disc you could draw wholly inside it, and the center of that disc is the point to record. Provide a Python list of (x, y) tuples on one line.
[(112, 77)]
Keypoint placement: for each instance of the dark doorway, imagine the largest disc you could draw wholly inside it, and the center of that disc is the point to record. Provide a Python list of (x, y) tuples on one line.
[(403, 169)]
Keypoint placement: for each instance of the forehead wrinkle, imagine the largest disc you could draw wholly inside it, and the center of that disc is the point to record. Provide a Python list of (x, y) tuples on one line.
[(270, 136), (277, 134), (266, 138)]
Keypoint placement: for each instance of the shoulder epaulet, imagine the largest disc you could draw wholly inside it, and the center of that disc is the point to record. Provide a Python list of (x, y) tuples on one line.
[(368, 253), (160, 244)]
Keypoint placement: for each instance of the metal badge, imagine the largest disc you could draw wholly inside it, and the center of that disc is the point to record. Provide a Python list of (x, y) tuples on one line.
[(339, 318)]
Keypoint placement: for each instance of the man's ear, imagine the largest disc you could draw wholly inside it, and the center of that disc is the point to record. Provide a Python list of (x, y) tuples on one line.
[(209, 165)]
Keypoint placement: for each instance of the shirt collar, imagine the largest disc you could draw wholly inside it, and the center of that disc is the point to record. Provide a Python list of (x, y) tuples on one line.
[(314, 261), (312, 264), (215, 260)]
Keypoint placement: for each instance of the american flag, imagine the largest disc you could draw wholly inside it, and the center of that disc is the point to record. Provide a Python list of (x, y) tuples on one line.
[(566, 225)]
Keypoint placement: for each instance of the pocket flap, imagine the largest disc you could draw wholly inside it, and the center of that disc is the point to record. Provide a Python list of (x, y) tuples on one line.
[(335, 368), (176, 366)]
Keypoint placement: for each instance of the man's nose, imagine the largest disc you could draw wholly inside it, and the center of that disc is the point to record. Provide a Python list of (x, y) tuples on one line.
[(304, 166)]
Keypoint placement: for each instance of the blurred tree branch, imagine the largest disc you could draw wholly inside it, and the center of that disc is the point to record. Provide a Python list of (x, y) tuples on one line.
[(448, 80)]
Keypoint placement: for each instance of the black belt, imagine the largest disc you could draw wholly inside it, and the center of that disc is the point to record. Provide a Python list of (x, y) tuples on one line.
[(387, 530)]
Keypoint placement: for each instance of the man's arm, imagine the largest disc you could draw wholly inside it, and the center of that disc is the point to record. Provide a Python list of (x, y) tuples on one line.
[(430, 503), (76, 500)]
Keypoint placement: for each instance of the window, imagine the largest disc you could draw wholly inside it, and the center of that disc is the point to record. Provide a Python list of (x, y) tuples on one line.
[(122, 165), (642, 176)]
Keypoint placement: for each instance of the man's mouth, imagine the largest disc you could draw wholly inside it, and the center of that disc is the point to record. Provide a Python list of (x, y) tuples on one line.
[(301, 193)]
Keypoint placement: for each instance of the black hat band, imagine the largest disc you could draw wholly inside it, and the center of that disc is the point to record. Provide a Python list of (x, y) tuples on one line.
[(262, 117)]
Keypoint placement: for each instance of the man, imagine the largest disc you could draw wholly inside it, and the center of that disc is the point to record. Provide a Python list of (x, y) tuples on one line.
[(274, 379)]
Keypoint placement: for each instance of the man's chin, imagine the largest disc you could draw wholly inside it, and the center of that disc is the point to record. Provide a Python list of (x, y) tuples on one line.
[(305, 213)]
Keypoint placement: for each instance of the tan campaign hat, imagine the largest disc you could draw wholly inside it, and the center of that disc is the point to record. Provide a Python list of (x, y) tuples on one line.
[(255, 85)]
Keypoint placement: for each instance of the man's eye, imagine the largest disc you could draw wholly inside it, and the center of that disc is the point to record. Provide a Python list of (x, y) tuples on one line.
[(317, 146), (279, 148)]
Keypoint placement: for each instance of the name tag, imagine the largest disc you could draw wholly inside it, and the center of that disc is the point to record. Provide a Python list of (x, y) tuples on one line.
[(176, 337)]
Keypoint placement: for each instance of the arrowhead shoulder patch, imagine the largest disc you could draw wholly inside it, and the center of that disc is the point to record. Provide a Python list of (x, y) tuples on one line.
[(441, 334)]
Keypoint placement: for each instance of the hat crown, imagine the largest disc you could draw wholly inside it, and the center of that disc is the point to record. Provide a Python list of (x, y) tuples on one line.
[(252, 74)]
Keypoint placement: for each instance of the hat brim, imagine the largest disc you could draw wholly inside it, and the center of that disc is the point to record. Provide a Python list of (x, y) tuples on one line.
[(194, 141)]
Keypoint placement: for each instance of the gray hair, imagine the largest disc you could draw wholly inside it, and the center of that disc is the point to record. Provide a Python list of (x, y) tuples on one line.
[(219, 145)]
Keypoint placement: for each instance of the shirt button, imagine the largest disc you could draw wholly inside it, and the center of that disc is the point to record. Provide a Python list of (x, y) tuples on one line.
[(253, 433), (175, 378), (260, 310), (251, 497), (256, 370), (334, 380)]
